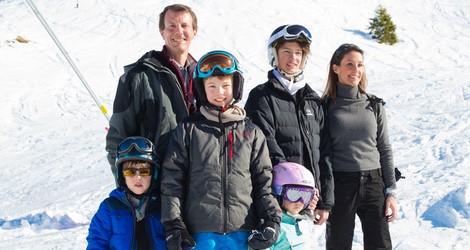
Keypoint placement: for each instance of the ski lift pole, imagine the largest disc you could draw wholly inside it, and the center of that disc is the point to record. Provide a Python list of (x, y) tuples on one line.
[(64, 52)]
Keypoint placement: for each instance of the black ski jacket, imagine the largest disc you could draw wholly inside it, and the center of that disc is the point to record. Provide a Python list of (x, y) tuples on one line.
[(149, 102), (294, 129)]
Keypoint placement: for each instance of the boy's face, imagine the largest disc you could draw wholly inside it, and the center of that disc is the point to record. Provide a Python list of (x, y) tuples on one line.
[(138, 183), (219, 90), (290, 57)]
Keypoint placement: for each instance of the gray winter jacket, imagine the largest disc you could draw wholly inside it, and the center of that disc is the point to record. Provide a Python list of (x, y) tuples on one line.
[(217, 177)]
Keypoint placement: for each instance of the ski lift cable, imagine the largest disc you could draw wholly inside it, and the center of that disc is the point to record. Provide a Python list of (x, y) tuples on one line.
[(66, 55)]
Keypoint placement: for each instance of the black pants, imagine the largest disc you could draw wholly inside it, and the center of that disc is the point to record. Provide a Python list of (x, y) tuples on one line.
[(360, 193)]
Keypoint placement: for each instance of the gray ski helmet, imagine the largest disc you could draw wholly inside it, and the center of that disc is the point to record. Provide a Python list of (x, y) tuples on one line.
[(135, 148), (217, 62), (288, 32)]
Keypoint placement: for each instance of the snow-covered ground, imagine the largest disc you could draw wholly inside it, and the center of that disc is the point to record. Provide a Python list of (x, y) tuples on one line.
[(53, 167)]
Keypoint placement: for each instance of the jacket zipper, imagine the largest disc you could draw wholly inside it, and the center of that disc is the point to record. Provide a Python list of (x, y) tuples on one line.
[(230, 144), (133, 245), (128, 204), (227, 143)]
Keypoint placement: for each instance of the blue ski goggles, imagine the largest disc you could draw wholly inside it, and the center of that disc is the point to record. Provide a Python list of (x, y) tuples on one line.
[(291, 32), (142, 145), (221, 61)]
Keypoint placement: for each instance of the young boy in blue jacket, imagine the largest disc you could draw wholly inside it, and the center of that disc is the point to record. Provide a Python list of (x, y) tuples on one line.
[(130, 217), (216, 178)]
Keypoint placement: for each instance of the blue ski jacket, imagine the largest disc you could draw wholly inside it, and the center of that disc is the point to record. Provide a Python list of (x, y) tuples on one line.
[(113, 225)]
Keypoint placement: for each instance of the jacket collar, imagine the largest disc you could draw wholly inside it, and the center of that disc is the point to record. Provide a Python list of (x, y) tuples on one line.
[(306, 91)]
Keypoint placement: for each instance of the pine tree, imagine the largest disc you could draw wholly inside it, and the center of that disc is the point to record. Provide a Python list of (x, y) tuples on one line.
[(382, 28)]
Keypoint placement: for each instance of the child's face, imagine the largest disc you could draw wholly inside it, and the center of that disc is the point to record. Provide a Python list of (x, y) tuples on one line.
[(293, 207), (219, 90), (296, 198), (138, 183)]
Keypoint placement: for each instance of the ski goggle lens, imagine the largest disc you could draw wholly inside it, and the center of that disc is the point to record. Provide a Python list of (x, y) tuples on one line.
[(296, 193), (142, 145), (134, 171), (291, 32), (222, 61)]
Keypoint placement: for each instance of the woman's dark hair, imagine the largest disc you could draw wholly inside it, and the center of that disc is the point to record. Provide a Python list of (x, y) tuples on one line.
[(338, 55)]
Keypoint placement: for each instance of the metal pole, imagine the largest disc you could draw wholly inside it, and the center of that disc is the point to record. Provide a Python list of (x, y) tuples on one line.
[(64, 52)]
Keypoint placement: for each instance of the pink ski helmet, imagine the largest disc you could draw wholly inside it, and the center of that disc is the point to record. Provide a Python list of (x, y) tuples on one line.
[(290, 173)]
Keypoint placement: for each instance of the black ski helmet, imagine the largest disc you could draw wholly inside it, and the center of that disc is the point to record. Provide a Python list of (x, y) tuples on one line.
[(217, 62), (136, 148)]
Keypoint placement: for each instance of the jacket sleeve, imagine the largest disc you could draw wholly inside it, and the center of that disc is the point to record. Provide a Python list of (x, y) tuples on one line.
[(261, 177), (385, 149), (260, 112), (100, 231), (326, 170), (174, 170), (123, 122)]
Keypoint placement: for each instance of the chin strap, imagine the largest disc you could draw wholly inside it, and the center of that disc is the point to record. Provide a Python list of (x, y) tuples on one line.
[(290, 77)]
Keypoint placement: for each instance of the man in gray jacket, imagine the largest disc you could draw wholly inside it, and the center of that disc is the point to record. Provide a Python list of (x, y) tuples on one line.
[(155, 93)]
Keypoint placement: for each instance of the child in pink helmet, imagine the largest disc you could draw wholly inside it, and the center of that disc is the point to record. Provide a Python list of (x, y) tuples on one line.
[(294, 186)]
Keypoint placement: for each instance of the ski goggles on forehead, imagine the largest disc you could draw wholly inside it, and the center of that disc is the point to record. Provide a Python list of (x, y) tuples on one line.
[(142, 145), (297, 193), (291, 32), (222, 61), (135, 171)]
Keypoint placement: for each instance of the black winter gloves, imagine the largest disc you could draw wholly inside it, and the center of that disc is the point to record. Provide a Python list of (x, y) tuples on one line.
[(177, 237), (265, 238)]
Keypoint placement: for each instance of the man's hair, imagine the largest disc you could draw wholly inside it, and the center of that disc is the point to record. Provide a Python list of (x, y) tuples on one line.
[(177, 8)]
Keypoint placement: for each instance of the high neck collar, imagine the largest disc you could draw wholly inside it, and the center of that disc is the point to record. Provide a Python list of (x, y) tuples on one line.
[(233, 113), (291, 85), (348, 92)]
